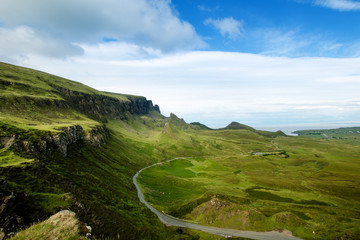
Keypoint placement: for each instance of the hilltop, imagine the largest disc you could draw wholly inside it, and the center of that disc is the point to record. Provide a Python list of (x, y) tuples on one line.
[(236, 125)]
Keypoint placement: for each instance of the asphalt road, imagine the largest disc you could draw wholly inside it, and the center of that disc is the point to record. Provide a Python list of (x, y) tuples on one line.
[(273, 235)]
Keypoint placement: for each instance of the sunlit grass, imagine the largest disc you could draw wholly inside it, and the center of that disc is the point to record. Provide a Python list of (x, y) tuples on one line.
[(62, 225), (319, 177), (9, 158)]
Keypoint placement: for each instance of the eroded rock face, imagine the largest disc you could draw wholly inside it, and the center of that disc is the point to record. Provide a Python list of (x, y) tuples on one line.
[(60, 142), (97, 136), (101, 107), (6, 141)]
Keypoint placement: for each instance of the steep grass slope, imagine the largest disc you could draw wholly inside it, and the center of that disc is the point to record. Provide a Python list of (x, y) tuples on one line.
[(35, 100)]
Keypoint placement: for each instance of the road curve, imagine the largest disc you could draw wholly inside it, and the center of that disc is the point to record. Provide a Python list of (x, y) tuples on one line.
[(273, 235)]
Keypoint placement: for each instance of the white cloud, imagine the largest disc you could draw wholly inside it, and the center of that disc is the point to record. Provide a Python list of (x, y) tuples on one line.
[(146, 23), (280, 43), (341, 5), (118, 51), (228, 27), (295, 43), (21, 41), (218, 87), (348, 79), (356, 49), (331, 47)]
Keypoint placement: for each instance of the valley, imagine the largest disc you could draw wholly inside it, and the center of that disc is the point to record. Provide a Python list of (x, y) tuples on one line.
[(225, 232), (305, 189)]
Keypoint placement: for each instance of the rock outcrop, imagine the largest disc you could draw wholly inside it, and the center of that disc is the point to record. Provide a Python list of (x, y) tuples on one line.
[(62, 225), (97, 136), (101, 107), (48, 144)]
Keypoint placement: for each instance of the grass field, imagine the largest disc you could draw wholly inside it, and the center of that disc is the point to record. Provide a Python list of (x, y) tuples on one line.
[(315, 186)]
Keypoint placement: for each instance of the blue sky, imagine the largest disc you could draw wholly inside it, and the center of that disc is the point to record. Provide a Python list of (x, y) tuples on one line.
[(306, 28), (266, 63)]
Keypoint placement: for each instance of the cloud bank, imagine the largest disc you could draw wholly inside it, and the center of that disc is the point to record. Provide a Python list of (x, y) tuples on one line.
[(22, 41), (64, 26)]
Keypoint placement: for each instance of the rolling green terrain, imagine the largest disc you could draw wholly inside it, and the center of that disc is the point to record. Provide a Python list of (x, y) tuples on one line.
[(64, 145), (312, 185)]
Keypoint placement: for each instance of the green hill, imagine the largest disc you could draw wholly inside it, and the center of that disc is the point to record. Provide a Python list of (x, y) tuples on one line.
[(236, 125), (62, 225), (200, 126)]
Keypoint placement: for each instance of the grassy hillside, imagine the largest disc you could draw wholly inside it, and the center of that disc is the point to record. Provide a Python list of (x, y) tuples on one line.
[(93, 181), (35, 100), (24, 92)]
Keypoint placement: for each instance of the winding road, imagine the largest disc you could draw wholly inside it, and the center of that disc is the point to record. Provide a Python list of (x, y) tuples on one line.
[(168, 220)]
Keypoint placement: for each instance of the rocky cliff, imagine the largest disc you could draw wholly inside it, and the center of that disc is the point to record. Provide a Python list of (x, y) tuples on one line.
[(101, 107), (46, 143), (98, 105)]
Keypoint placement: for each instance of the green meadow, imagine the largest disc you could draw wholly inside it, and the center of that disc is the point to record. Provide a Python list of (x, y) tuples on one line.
[(306, 185)]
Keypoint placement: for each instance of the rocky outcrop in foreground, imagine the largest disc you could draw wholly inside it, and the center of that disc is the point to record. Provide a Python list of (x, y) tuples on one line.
[(62, 225)]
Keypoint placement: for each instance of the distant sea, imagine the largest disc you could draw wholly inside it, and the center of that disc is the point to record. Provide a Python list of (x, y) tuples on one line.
[(288, 129), (291, 128)]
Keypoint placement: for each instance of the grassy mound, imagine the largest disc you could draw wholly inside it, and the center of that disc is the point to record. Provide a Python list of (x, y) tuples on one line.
[(63, 225)]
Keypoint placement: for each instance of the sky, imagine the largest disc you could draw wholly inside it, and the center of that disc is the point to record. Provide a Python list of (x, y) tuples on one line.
[(265, 63)]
